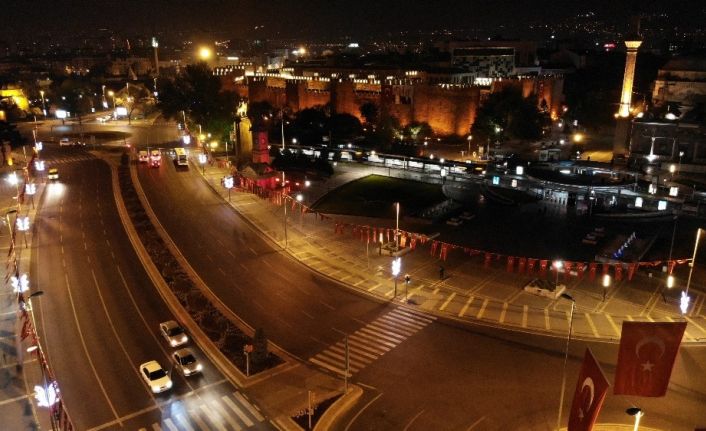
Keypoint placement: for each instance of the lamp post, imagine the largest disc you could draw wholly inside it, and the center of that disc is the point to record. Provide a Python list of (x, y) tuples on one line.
[(44, 106), (397, 226), (396, 268), (469, 139), (684, 303), (681, 154), (557, 266), (638, 413), (606, 285), (566, 357), (202, 159)]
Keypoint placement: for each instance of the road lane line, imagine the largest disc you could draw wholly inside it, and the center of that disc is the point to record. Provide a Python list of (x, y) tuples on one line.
[(475, 424), (199, 421), (409, 424), (613, 324), (183, 422), (447, 302), (592, 325), (361, 411), (85, 350), (248, 405), (341, 348), (215, 420), (380, 335), (690, 320), (546, 320), (524, 315), (117, 337), (241, 414), (503, 313), (396, 329), (386, 331), (169, 424), (224, 413), (482, 309), (466, 305)]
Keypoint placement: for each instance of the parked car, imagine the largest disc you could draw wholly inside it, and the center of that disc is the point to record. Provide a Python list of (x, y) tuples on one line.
[(186, 362), (173, 333), (156, 378)]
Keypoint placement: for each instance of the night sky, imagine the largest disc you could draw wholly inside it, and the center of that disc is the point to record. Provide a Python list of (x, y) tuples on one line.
[(310, 18)]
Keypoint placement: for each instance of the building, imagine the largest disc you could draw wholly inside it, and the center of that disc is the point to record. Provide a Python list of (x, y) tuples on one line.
[(682, 82), (492, 62)]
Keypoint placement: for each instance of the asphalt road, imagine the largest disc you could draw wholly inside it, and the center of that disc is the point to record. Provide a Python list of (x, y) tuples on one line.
[(425, 375), (100, 313)]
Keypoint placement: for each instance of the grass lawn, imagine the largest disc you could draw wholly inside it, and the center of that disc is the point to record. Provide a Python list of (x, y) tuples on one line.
[(375, 195)]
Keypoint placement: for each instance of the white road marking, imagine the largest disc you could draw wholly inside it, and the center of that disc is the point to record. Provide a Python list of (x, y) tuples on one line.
[(482, 309), (466, 305)]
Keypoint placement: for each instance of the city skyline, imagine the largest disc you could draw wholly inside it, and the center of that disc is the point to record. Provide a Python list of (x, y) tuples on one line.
[(319, 18)]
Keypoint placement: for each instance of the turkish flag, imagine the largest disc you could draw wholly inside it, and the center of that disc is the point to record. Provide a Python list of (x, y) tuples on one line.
[(591, 390), (646, 357)]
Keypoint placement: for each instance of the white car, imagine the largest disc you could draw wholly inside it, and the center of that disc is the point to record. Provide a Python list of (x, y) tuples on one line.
[(156, 378), (64, 142), (173, 333), (186, 362), (142, 156)]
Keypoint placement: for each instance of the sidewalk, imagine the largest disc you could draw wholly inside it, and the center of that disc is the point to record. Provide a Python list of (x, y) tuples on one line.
[(469, 292), (19, 374)]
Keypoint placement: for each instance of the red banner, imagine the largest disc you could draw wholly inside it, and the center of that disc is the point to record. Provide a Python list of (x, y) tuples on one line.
[(591, 389), (631, 271), (543, 267), (592, 271), (444, 251), (488, 257), (434, 246), (646, 357), (530, 265), (618, 272), (580, 269), (521, 265), (510, 263), (567, 270)]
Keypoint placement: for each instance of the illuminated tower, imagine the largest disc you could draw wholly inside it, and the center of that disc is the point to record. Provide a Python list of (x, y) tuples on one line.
[(155, 45), (622, 130)]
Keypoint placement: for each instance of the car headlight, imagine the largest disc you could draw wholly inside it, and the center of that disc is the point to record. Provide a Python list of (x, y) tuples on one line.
[(199, 367), (184, 339), (173, 343), (155, 389), (169, 384)]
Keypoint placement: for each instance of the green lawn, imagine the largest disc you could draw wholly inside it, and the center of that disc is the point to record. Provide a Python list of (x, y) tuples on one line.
[(375, 195)]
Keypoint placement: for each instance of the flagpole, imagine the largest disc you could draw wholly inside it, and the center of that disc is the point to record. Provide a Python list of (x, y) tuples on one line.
[(691, 270), (566, 358)]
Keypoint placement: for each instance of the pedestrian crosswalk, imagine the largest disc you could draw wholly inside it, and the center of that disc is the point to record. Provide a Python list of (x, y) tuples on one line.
[(229, 412), (71, 159), (371, 341)]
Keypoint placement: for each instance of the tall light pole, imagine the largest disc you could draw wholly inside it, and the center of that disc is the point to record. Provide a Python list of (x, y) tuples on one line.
[(396, 268), (606, 285), (44, 106), (684, 304), (111, 93), (681, 154), (566, 358), (281, 112), (397, 226), (469, 139), (557, 266)]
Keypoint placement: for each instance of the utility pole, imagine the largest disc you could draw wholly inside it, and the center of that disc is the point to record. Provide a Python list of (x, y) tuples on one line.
[(347, 366)]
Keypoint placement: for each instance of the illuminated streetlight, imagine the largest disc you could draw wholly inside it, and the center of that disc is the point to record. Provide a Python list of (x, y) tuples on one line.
[(300, 197), (606, 284), (12, 178), (578, 137), (203, 159), (396, 268), (205, 53), (638, 413), (557, 266)]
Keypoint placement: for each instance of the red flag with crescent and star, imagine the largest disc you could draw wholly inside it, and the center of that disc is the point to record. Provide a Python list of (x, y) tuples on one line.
[(591, 389), (646, 357)]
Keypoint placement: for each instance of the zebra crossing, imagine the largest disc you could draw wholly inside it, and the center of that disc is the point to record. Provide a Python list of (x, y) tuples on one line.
[(70, 159), (371, 341), (229, 412)]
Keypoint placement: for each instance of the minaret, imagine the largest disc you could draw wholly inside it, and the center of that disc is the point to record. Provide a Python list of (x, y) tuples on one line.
[(622, 130), (155, 46)]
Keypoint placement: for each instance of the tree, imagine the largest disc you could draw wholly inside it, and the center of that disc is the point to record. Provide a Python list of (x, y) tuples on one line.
[(416, 130), (75, 96), (370, 112), (344, 126), (197, 92), (507, 113), (11, 136)]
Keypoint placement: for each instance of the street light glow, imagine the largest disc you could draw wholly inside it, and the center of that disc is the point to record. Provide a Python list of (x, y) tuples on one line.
[(205, 53), (396, 266)]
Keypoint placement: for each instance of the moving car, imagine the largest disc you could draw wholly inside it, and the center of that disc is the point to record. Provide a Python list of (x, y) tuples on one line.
[(155, 158), (173, 333), (64, 142), (186, 362), (53, 174), (142, 156), (156, 378)]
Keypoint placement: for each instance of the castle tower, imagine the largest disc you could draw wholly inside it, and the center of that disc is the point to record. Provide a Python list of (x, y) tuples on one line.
[(622, 130)]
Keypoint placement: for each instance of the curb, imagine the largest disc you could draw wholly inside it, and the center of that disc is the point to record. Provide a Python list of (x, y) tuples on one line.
[(339, 407)]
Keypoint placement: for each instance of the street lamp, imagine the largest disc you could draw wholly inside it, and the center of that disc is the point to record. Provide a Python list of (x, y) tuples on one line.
[(469, 139), (557, 266), (566, 358), (111, 93), (684, 302), (681, 154), (44, 106), (205, 53), (638, 413), (396, 268), (606, 285), (203, 159)]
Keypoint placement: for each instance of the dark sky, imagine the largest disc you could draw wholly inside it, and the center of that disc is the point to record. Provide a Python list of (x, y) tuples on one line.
[(303, 18)]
